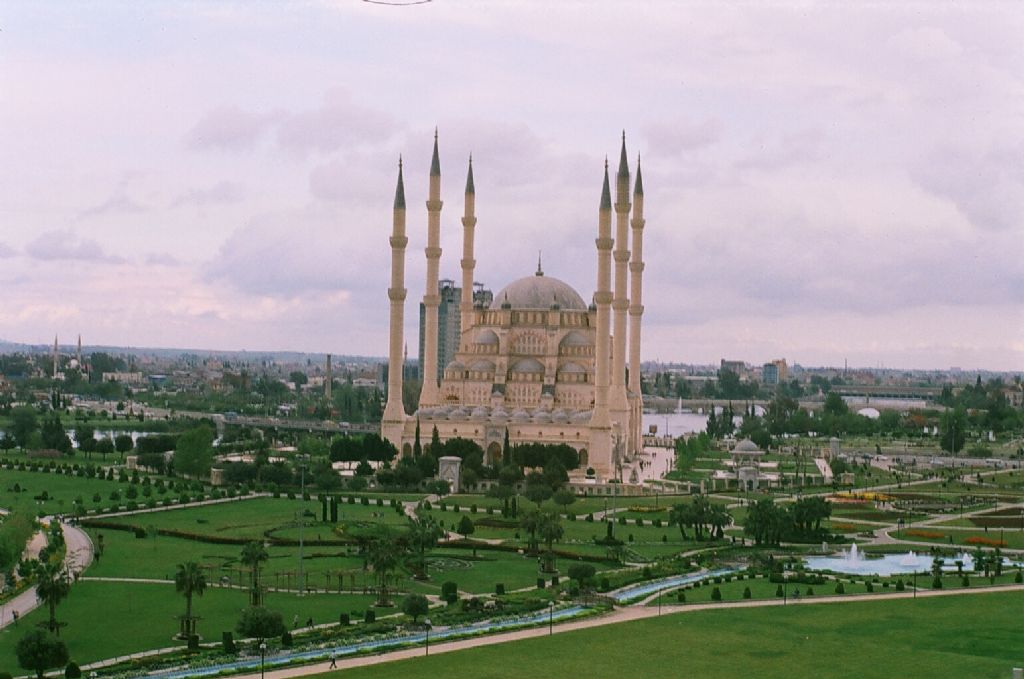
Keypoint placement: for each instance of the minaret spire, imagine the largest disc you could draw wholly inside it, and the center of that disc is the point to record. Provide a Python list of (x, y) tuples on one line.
[(600, 422), (618, 402), (636, 308), (393, 421), (540, 270), (468, 263), (430, 394), (56, 356)]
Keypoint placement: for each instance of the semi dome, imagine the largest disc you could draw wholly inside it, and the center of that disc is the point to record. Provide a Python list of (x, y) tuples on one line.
[(746, 446), (539, 292)]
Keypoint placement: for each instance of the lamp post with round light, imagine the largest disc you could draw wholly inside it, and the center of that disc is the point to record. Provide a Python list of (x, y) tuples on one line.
[(263, 657), (426, 621), (551, 618)]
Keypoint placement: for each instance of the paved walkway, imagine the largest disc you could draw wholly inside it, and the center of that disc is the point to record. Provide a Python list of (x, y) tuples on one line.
[(77, 558), (619, 615)]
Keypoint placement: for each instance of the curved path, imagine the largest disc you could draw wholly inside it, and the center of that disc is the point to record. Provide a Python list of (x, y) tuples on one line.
[(77, 558), (636, 612)]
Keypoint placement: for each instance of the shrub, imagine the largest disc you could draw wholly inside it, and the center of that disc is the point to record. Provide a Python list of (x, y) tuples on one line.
[(541, 582), (746, 593), (450, 592), (965, 581), (840, 588), (499, 588), (473, 508), (605, 585), (716, 594), (73, 671), (1018, 578), (869, 587), (900, 586), (286, 639), (937, 583), (371, 616), (810, 591), (193, 642), (344, 620), (227, 640), (681, 596)]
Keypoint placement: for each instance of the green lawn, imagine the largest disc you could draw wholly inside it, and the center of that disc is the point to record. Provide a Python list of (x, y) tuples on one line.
[(107, 619), (896, 638), (61, 490)]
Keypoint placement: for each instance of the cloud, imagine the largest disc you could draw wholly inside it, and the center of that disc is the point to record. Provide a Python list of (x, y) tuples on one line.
[(987, 186), (675, 137), (118, 204), (925, 43), (338, 122), (161, 259), (65, 245), (220, 193), (7, 251), (228, 128), (793, 148)]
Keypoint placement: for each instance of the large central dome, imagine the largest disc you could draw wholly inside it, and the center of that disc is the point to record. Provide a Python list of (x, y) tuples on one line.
[(539, 292)]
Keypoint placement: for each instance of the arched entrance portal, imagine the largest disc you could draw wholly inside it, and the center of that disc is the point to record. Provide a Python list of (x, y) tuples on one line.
[(493, 455), (584, 459)]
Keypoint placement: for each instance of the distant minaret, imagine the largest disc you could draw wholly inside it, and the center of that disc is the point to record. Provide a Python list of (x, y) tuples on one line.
[(328, 380), (618, 403), (468, 263), (429, 394), (636, 307), (600, 422), (393, 421), (79, 354), (56, 357)]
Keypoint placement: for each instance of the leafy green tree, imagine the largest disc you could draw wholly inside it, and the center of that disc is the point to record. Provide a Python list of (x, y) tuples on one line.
[(24, 423), (259, 623), (123, 443), (415, 605), (953, 430), (39, 651), (582, 573), (466, 526), (537, 488), (193, 452), (835, 405), (253, 555), (85, 435), (564, 498), (189, 581), (53, 436)]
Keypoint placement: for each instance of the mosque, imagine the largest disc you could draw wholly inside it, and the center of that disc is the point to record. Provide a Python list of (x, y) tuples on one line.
[(538, 364)]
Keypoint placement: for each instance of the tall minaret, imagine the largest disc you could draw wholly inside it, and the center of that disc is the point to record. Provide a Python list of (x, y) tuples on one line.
[(393, 420), (617, 402), (56, 357), (328, 379), (79, 354), (468, 263), (636, 307), (600, 422), (429, 395)]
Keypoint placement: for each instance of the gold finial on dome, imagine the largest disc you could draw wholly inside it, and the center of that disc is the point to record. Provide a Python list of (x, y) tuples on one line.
[(540, 271)]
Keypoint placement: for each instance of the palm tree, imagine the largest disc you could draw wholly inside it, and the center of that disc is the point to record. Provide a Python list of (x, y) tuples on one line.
[(383, 555), (719, 517), (189, 580), (423, 535), (253, 554), (550, 530), (52, 586), (531, 523)]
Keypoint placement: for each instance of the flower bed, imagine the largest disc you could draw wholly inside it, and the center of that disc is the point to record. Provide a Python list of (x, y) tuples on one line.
[(928, 534), (984, 542)]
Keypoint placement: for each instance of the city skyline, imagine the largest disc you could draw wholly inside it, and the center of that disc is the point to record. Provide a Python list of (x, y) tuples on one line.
[(220, 176)]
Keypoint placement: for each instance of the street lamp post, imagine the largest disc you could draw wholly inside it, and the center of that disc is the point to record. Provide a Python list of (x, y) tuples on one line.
[(426, 621), (263, 657), (899, 527), (551, 618), (303, 459)]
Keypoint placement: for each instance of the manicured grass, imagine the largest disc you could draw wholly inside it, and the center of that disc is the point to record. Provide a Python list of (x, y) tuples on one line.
[(896, 638), (61, 490), (106, 619), (253, 518)]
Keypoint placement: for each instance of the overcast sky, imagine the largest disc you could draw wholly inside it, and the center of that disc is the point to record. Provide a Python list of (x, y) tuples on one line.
[(823, 182)]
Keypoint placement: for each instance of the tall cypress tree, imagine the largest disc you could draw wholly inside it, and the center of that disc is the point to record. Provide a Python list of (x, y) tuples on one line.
[(417, 449)]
